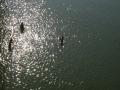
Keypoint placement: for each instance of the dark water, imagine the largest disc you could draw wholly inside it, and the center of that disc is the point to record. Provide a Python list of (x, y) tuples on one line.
[(89, 59)]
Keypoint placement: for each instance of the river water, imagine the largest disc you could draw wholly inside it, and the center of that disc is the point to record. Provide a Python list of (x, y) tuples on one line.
[(89, 59)]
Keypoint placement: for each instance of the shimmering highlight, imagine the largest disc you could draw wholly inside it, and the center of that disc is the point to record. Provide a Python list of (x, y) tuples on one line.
[(34, 54)]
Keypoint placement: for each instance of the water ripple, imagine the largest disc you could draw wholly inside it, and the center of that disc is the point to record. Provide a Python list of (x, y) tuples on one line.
[(32, 62)]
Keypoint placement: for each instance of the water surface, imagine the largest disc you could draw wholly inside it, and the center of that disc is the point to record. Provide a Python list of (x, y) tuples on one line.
[(89, 59)]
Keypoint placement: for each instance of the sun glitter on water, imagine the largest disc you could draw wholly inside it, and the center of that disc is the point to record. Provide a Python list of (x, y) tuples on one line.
[(34, 56), (22, 11)]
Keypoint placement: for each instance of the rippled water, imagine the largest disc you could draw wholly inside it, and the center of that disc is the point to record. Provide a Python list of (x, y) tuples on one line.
[(31, 64), (89, 59)]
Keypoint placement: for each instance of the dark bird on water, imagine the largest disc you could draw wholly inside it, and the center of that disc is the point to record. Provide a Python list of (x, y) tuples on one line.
[(61, 39), (22, 29), (10, 45)]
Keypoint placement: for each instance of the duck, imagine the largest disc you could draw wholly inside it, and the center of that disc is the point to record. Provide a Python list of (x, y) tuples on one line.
[(22, 29), (10, 45), (61, 39)]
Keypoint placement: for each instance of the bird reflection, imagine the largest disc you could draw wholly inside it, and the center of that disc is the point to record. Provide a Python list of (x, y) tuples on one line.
[(22, 29)]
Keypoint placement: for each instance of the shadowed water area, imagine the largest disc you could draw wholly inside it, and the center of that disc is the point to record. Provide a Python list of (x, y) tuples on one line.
[(59, 45)]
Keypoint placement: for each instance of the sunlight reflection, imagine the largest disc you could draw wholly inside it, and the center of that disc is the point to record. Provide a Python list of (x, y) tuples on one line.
[(33, 57), (31, 49)]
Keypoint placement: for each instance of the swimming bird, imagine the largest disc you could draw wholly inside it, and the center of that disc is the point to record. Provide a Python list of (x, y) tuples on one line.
[(10, 45), (22, 29), (61, 39)]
